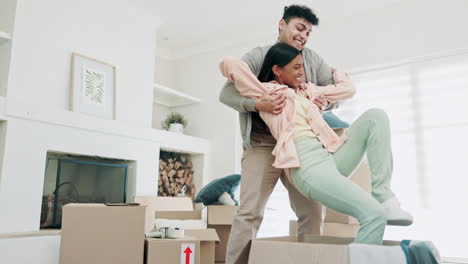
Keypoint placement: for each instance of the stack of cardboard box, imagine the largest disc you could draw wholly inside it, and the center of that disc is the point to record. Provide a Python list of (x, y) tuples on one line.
[(220, 218), (99, 233), (337, 224), (180, 208)]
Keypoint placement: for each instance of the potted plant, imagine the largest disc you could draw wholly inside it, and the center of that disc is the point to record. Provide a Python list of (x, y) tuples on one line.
[(174, 122)]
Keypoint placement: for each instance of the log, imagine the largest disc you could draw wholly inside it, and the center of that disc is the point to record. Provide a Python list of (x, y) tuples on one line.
[(175, 175)]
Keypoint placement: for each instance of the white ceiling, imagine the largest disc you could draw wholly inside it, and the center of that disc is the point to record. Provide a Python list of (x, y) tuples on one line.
[(190, 23)]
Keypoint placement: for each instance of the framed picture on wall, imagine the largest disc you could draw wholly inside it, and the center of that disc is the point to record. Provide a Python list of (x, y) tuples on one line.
[(92, 87)]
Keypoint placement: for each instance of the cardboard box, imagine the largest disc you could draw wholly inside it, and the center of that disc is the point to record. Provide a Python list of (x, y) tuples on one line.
[(330, 229), (333, 216), (340, 230), (181, 215), (220, 217), (362, 178), (221, 214), (208, 240), (162, 251), (317, 250), (174, 204), (100, 234), (166, 208), (150, 207), (175, 208), (223, 232)]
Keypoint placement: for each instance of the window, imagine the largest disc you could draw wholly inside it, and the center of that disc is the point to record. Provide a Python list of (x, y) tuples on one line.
[(427, 103)]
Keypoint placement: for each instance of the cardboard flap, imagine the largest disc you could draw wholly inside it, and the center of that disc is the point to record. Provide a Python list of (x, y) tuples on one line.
[(150, 207), (174, 204), (145, 200), (328, 240), (285, 238), (203, 234), (84, 205), (280, 251), (178, 215)]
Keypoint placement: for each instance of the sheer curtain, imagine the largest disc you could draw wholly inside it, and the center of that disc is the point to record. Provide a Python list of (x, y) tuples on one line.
[(426, 100)]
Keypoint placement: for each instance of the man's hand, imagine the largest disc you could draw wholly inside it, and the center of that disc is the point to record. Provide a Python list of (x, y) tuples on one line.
[(271, 102)]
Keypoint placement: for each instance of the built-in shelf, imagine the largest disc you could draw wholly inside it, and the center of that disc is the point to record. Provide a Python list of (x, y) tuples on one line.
[(4, 37), (169, 97)]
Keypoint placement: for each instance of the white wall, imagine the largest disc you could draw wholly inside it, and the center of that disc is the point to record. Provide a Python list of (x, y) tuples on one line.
[(113, 31), (406, 29), (160, 113), (211, 119), (164, 71), (7, 18), (37, 102), (7, 15)]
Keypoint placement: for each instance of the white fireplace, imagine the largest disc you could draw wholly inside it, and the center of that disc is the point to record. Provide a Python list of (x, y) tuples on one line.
[(29, 139)]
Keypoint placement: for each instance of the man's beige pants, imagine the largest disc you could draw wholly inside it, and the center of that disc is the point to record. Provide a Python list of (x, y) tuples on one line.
[(258, 180)]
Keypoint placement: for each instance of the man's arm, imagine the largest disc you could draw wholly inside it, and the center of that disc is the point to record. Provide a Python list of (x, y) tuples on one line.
[(230, 95), (268, 102)]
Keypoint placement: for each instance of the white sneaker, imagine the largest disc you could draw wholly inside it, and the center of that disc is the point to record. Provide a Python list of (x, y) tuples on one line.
[(395, 215), (226, 199)]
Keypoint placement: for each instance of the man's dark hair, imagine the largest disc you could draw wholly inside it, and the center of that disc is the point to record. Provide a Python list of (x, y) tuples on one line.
[(300, 11), (280, 55)]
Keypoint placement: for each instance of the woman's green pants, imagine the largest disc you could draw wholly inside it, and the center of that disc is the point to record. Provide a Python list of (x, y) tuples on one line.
[(323, 176)]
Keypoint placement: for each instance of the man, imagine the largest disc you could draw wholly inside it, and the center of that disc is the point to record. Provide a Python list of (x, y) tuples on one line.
[(369, 133), (259, 177)]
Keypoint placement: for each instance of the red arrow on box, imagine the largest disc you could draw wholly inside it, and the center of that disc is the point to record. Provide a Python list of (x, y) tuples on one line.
[(187, 252)]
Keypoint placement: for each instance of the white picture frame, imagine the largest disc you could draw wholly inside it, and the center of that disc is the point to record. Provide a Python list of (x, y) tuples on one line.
[(92, 87)]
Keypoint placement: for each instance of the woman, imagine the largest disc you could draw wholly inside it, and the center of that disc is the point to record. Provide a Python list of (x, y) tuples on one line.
[(319, 160)]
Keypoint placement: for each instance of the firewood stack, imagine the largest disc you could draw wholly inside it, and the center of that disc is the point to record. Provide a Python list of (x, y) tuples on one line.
[(175, 175)]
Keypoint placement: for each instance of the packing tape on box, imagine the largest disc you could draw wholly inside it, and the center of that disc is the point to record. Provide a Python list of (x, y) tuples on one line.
[(175, 233), (166, 232), (154, 234)]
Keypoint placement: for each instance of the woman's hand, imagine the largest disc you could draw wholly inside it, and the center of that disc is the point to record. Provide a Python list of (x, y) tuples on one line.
[(271, 101), (321, 102)]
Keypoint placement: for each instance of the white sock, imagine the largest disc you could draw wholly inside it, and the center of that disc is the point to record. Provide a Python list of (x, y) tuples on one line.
[(226, 199)]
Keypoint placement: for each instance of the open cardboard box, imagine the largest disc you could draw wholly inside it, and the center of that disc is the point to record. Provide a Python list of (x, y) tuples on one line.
[(200, 241), (176, 208), (162, 251), (208, 241), (167, 208), (316, 250), (220, 217)]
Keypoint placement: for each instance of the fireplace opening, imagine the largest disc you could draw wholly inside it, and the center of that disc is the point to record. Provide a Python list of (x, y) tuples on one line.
[(80, 179)]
